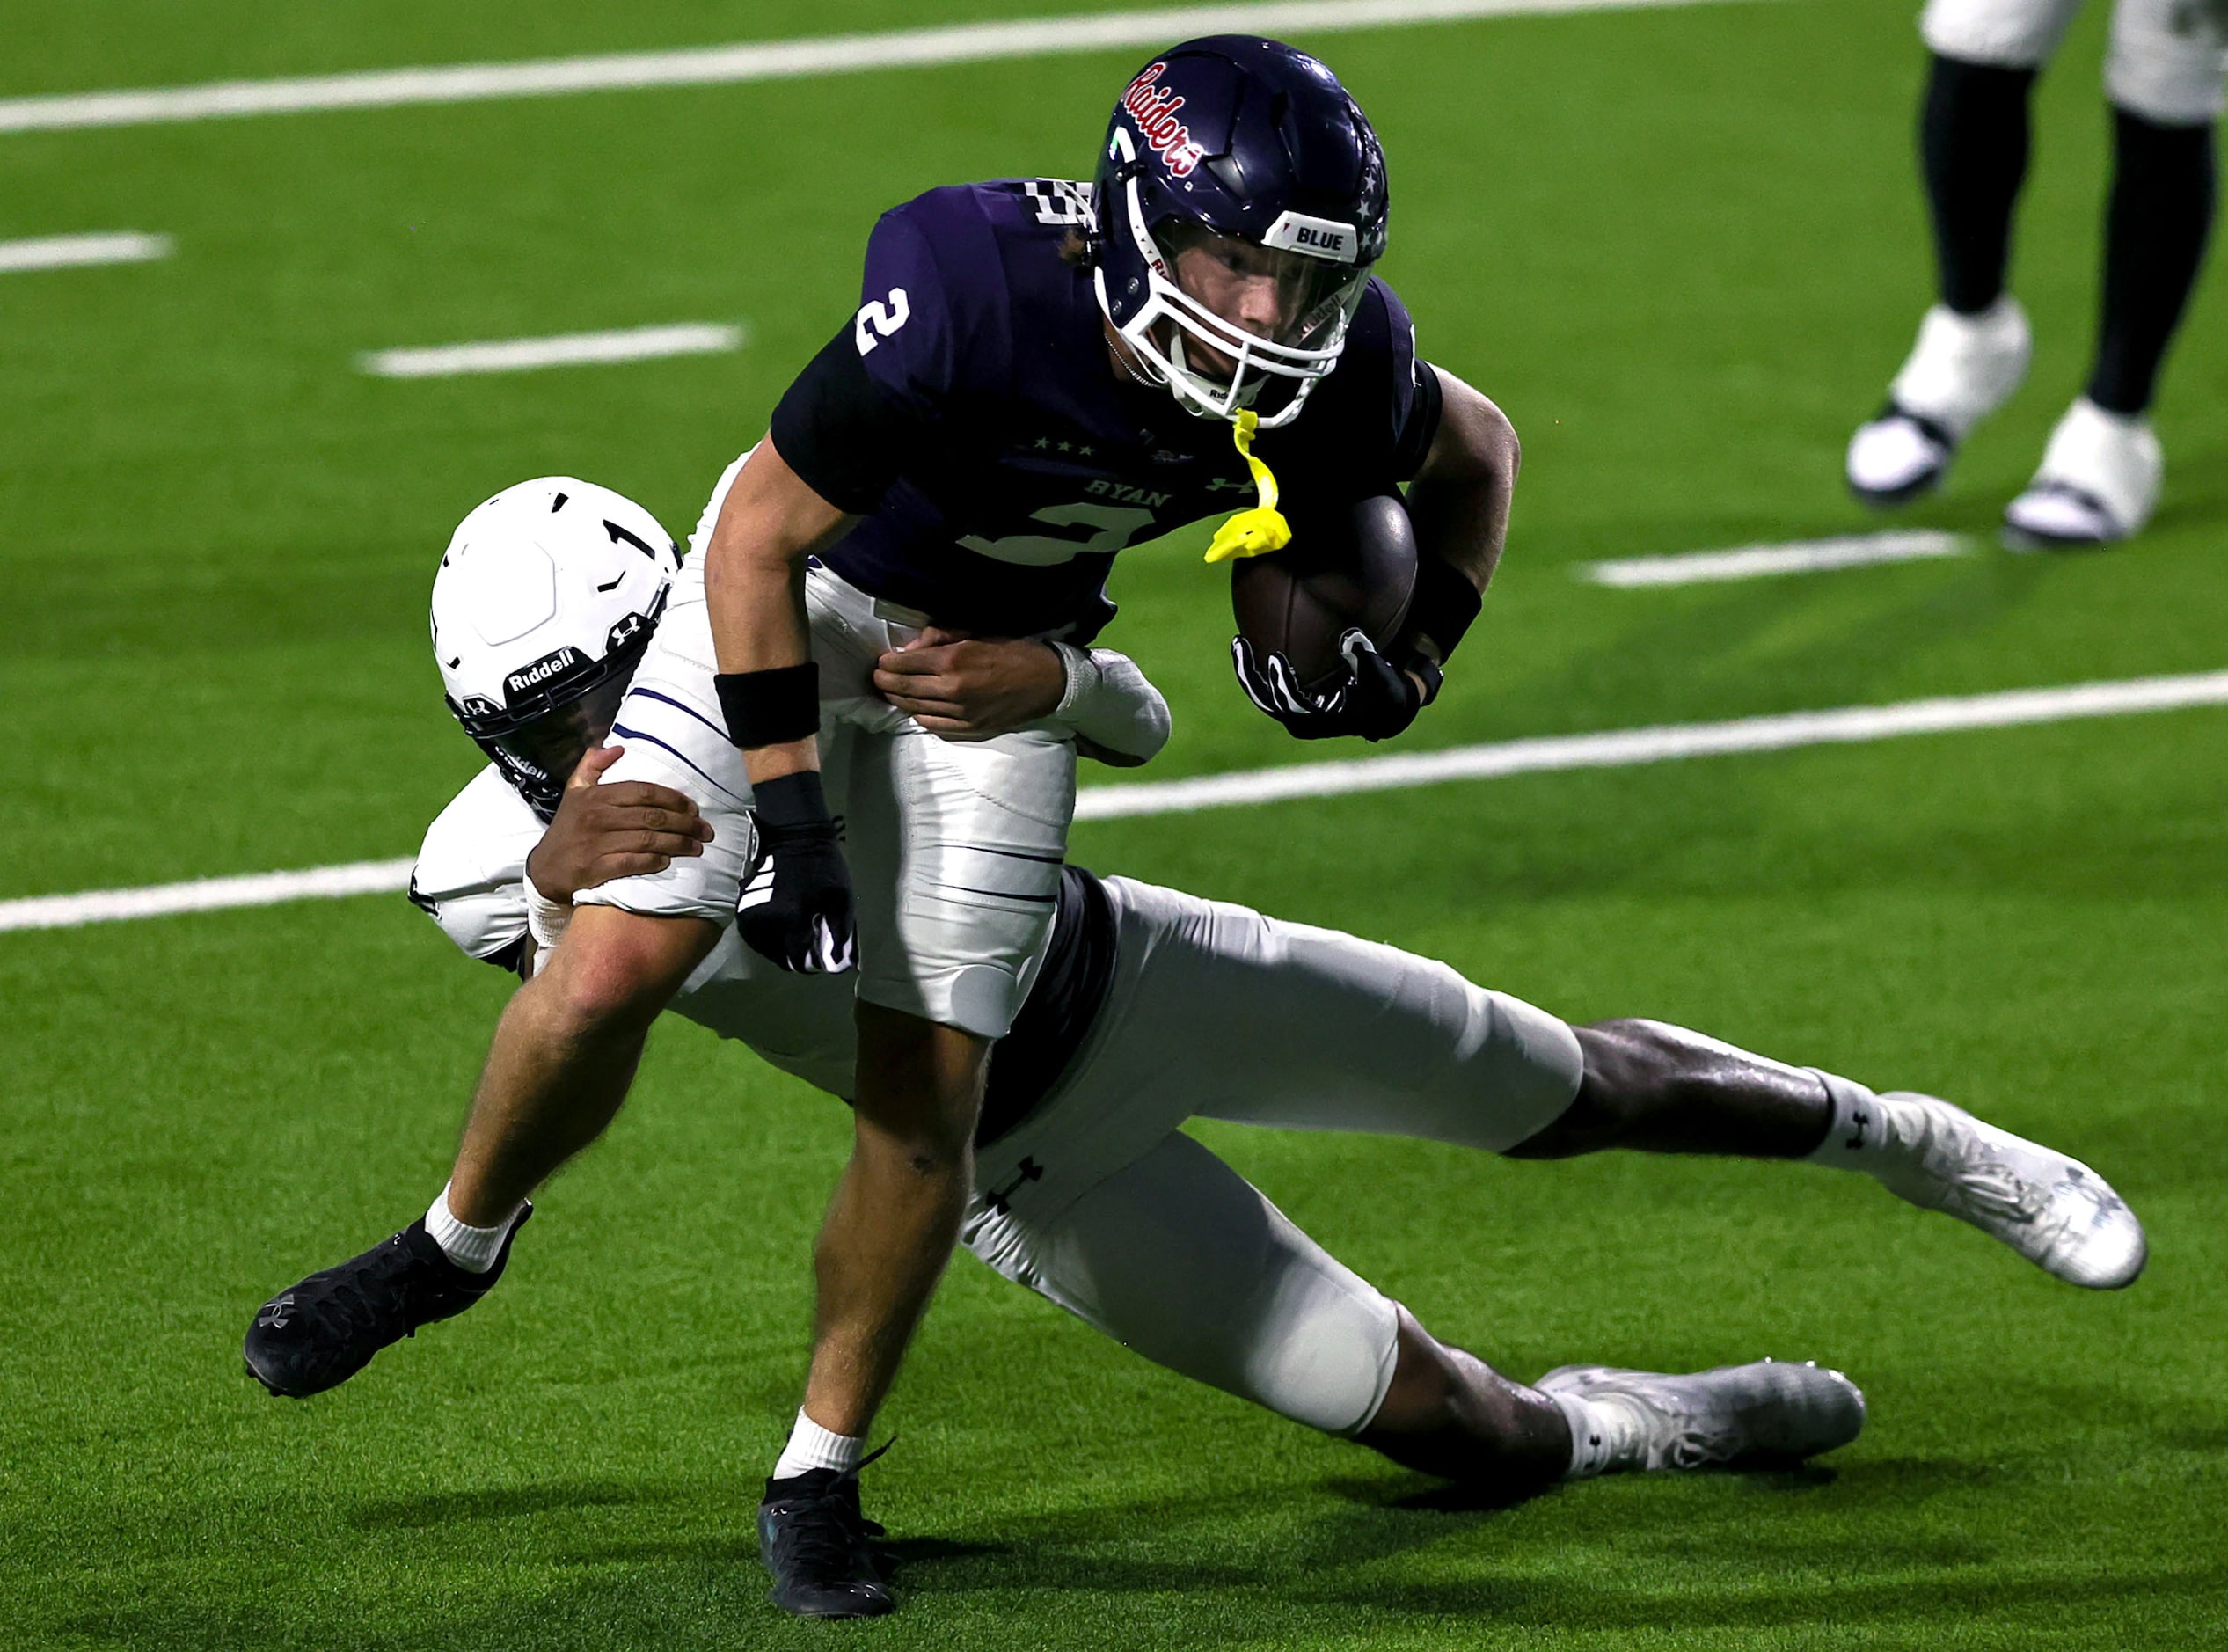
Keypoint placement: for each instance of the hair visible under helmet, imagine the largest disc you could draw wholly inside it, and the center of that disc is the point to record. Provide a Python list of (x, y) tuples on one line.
[(545, 602), (1248, 138)]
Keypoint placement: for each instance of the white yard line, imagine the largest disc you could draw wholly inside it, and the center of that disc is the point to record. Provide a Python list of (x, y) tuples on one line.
[(568, 349), (206, 894), (757, 59), (1615, 749), (1803, 556), (73, 252)]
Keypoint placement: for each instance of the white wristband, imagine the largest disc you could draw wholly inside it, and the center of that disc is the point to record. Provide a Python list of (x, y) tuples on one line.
[(545, 919), (1081, 674)]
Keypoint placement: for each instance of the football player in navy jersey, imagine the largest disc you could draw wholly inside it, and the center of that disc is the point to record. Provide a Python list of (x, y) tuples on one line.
[(1151, 1007), (1038, 376)]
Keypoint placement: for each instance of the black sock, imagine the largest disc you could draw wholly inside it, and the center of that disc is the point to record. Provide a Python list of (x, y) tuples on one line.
[(2154, 243), (1972, 146)]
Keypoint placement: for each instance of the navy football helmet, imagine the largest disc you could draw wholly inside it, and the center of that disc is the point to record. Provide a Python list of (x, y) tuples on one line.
[(1240, 137)]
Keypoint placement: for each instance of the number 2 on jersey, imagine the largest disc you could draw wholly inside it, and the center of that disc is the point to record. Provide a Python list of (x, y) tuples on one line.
[(884, 316)]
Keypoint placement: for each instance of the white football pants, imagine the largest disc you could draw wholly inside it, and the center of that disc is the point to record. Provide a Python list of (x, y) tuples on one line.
[(1098, 1201), (2168, 61)]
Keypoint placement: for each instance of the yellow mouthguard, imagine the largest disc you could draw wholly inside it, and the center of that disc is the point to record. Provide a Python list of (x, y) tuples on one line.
[(1250, 533)]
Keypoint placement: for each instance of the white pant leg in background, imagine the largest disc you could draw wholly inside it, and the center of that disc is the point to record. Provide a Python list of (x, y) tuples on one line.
[(1098, 1202), (2004, 34), (1177, 1257), (2168, 61)]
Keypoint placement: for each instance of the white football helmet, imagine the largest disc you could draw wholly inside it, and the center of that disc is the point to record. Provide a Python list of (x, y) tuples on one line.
[(545, 600)]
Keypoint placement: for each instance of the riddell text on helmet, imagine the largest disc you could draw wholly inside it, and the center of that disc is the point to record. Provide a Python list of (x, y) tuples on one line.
[(1154, 110)]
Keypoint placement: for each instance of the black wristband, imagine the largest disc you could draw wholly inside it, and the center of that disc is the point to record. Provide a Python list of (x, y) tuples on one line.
[(789, 801), (1444, 604), (769, 708)]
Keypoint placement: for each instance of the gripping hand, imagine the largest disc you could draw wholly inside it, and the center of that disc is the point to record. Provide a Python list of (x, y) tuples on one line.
[(1376, 700), (797, 908)]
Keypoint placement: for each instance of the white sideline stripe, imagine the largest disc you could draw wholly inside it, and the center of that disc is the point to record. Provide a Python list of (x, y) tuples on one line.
[(565, 349), (757, 60), (206, 894), (1801, 556), (1616, 748), (70, 251), (1624, 748)]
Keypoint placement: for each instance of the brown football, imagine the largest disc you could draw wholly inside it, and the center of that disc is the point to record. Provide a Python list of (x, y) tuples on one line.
[(1350, 565)]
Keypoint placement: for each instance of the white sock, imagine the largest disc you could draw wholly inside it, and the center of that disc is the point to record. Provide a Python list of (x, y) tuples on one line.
[(811, 1446), (474, 1248), (1603, 1435), (1861, 1126)]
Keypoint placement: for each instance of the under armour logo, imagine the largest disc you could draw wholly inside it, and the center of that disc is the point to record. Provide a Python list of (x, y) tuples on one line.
[(1027, 1170), (1857, 1140), (274, 1316), (1223, 485)]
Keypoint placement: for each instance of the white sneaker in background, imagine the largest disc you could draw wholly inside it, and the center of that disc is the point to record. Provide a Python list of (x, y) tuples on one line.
[(2098, 483), (1962, 370)]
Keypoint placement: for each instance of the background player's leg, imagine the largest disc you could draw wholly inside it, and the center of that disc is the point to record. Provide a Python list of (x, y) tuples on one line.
[(2155, 233), (2103, 468), (2101, 472), (1973, 344), (1973, 141)]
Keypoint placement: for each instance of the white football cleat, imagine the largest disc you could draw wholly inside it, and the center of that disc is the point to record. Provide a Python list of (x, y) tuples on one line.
[(2098, 483), (1765, 1411), (1962, 368), (2051, 1209)]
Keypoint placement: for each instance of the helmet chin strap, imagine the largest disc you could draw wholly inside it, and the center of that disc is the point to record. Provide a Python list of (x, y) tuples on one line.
[(1254, 532)]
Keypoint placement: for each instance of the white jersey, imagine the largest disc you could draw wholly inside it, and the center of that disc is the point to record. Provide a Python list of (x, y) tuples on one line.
[(471, 877)]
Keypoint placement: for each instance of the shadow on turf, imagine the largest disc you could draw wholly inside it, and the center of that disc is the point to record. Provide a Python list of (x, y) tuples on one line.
[(1770, 1550)]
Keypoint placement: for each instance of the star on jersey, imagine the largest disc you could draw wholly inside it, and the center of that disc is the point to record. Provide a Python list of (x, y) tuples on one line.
[(1046, 444)]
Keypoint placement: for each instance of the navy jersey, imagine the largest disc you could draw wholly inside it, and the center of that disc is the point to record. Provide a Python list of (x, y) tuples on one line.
[(971, 412)]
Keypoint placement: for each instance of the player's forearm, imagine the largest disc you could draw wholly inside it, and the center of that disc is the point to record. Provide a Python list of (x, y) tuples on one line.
[(758, 628), (754, 577)]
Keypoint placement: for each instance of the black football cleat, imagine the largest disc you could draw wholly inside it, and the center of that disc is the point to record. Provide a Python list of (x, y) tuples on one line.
[(326, 1329), (821, 1548)]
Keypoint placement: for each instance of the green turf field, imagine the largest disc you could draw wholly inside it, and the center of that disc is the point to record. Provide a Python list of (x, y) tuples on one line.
[(1684, 248)]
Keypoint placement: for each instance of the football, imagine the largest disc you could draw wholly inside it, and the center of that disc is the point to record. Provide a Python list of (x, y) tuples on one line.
[(1351, 566)]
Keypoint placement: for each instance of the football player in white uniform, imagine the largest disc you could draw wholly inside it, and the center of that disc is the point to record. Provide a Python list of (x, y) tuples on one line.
[(1151, 1007), (2101, 474)]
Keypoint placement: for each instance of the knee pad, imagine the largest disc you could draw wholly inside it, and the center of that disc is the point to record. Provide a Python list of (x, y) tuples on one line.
[(2004, 34), (2168, 60), (1331, 1357)]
